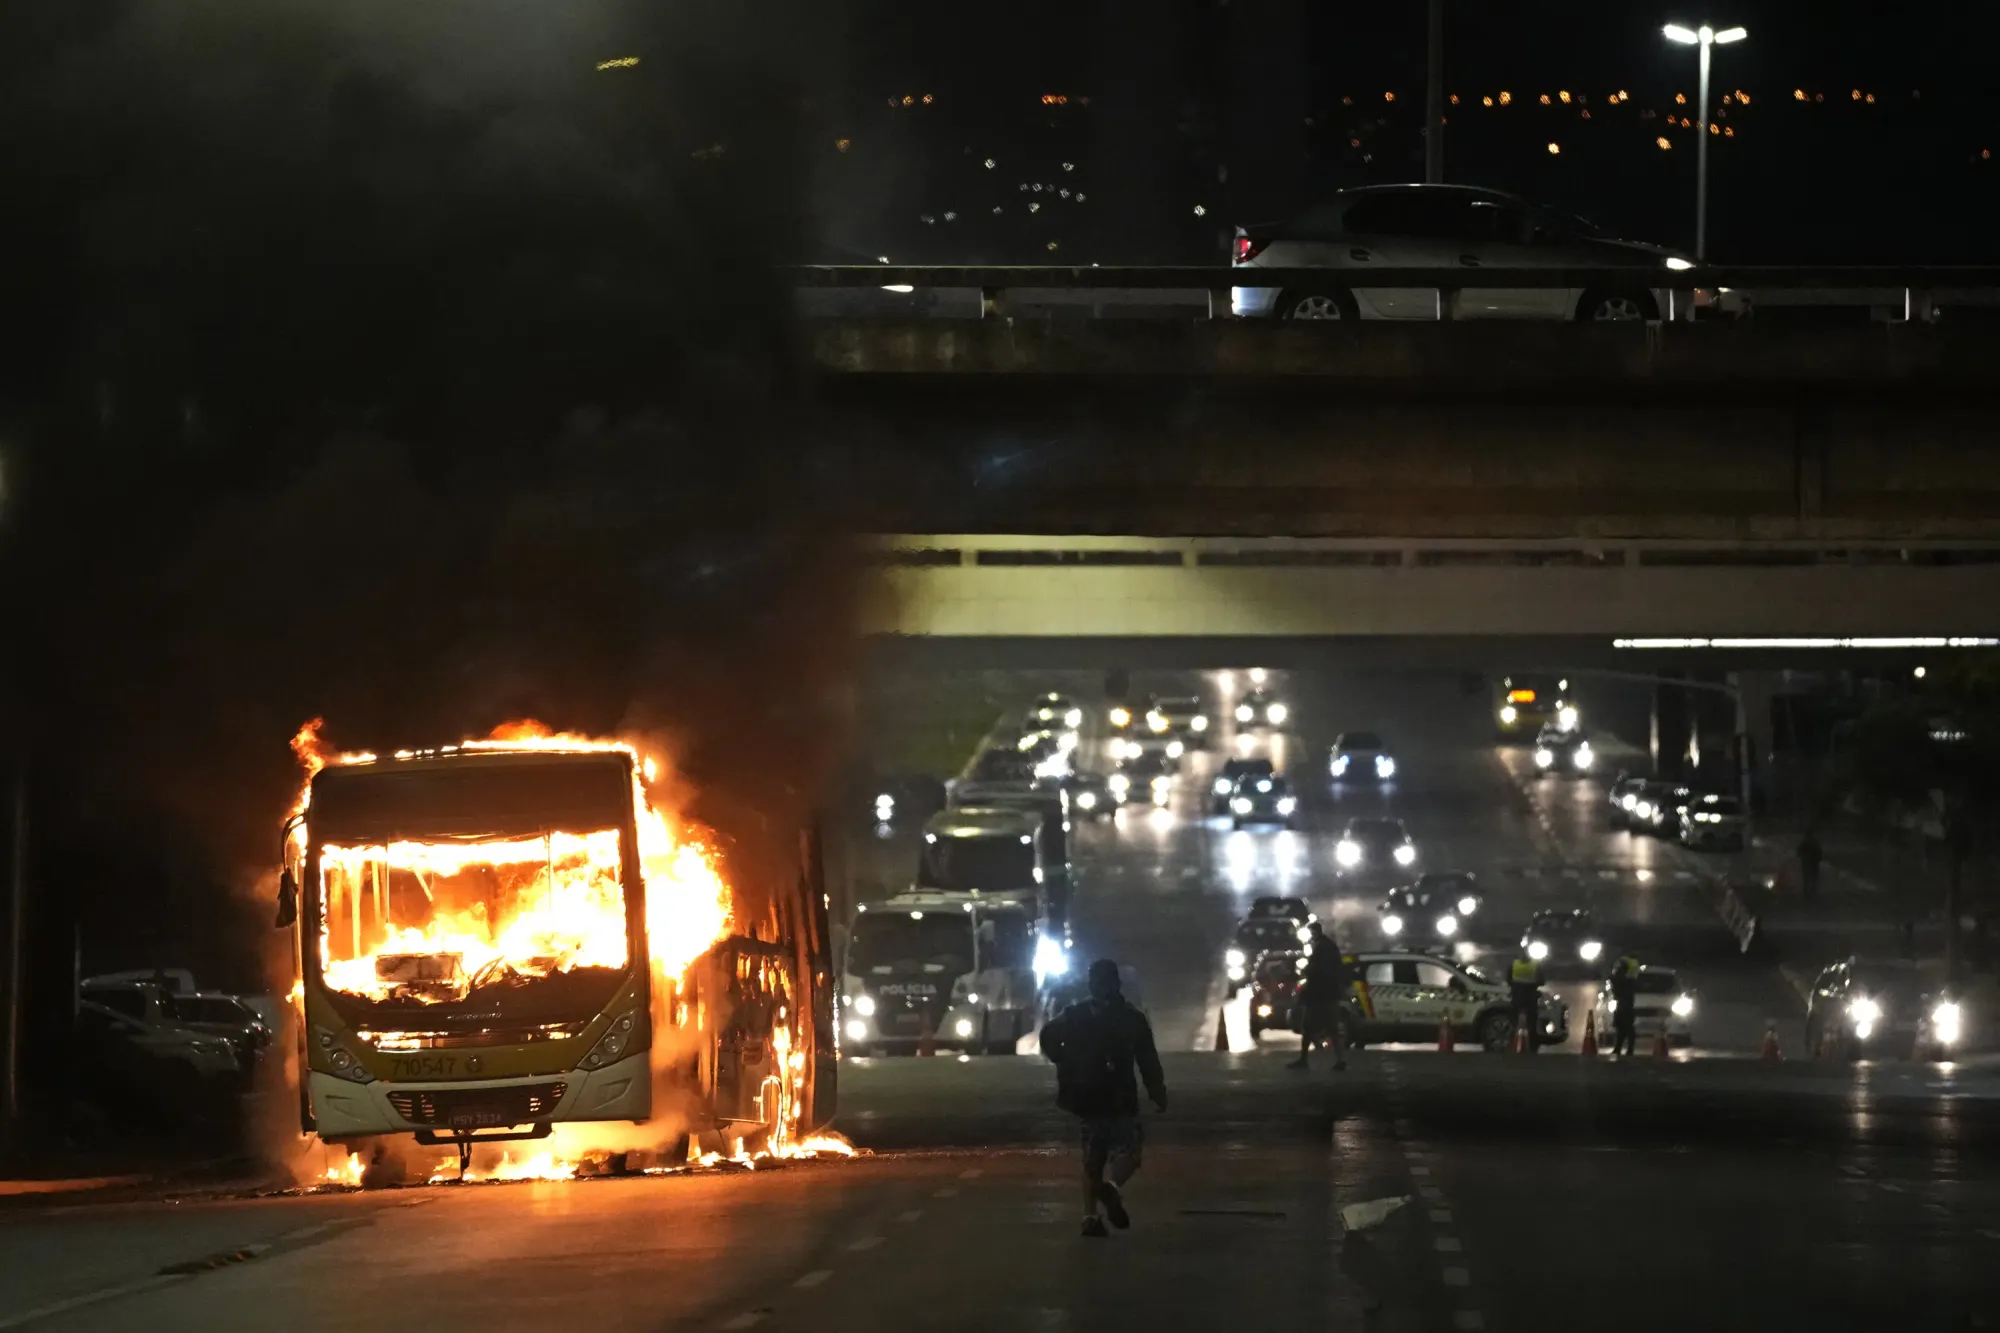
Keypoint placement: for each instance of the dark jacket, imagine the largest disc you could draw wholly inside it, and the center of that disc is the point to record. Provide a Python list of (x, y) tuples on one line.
[(1327, 978), (1095, 1045)]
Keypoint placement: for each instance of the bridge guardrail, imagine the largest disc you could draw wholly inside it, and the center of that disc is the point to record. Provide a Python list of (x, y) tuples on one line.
[(1919, 291)]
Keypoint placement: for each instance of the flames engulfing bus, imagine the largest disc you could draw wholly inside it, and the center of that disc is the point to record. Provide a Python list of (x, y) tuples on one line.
[(500, 937)]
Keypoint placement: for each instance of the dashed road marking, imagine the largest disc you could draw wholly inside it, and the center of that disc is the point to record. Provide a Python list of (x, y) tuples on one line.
[(1457, 1277), (971, 1172), (866, 1243), (748, 1319), (814, 1278), (946, 1193), (1431, 1193), (1467, 1319), (1607, 874), (910, 1216), (1420, 1170), (1441, 1215), (303, 1233), (1449, 1245)]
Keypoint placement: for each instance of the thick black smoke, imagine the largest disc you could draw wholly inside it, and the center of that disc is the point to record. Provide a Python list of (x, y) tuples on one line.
[(395, 364)]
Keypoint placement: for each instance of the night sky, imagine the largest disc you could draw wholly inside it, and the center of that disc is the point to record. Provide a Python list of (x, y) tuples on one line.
[(1247, 110)]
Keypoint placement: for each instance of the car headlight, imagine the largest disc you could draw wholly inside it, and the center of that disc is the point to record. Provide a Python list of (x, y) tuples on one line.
[(1508, 714), (1221, 787), (1468, 905), (1073, 718), (1385, 767), (1157, 721), (857, 1030), (1392, 924), (1405, 854), (1244, 712), (1677, 264), (1589, 949), (1241, 805), (1277, 713), (1447, 925), (1199, 722), (1304, 935), (1544, 757), (1347, 852), (1864, 1012), (1339, 764), (1287, 804), (1263, 1011), (1234, 957), (1945, 1022), (1643, 809), (1121, 717), (865, 1005), (885, 806), (1627, 801), (1133, 749), (1566, 717), (963, 1027), (1119, 784), (1537, 950), (1235, 973), (1086, 800), (1582, 757), (1175, 749), (1683, 1005)]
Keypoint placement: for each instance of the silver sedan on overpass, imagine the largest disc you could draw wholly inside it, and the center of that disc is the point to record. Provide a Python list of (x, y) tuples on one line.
[(1449, 226)]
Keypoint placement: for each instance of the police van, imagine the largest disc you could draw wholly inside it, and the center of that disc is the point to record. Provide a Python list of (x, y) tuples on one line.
[(955, 971), (1406, 997)]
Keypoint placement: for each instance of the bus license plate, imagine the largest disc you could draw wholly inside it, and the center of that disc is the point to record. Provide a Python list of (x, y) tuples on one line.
[(473, 1117)]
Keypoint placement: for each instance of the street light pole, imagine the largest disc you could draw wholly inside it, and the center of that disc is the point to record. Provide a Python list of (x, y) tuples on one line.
[(1704, 38), (1434, 97)]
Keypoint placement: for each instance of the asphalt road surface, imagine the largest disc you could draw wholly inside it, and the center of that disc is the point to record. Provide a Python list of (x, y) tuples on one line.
[(1706, 1191)]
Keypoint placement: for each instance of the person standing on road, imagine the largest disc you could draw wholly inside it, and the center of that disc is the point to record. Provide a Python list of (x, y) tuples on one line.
[(1323, 989), (1809, 859), (1624, 1002), (1524, 984), (1095, 1045)]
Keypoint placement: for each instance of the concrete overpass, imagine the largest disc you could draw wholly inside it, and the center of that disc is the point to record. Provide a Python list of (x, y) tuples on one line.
[(1436, 599), (1754, 431)]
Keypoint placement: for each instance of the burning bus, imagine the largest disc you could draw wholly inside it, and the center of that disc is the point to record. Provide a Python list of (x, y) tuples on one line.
[(504, 936)]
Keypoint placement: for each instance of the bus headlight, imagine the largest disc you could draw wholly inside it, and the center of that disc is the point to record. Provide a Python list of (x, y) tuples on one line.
[(857, 1030), (614, 1041), (1405, 854), (1051, 959), (865, 1005), (1589, 949), (1277, 713), (343, 1060), (1347, 852), (1392, 925), (1537, 950), (1945, 1023), (1507, 715), (1683, 1005), (1447, 925)]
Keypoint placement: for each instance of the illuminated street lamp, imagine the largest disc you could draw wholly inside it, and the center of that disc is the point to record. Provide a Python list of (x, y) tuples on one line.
[(1704, 37)]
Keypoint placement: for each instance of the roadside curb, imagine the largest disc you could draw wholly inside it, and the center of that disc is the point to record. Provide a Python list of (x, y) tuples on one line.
[(68, 1185)]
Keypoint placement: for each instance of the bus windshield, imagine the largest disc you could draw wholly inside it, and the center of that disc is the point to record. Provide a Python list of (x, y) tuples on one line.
[(994, 863), (911, 942)]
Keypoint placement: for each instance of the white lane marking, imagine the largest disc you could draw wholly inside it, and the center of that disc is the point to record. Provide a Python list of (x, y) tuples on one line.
[(1448, 1245), (946, 1193), (866, 1243), (1890, 1185), (969, 1173), (1467, 1319), (1607, 874), (42, 1312), (910, 1216), (1457, 1277), (301, 1233), (814, 1278), (1404, 1126), (1431, 1193), (1684, 874), (1440, 1214), (1990, 1233), (748, 1319), (1420, 1170)]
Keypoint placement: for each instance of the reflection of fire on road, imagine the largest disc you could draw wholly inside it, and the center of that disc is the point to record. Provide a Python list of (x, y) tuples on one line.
[(468, 924)]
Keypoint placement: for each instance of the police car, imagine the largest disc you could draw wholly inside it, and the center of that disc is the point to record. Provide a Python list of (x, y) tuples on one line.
[(1660, 1003), (1405, 997)]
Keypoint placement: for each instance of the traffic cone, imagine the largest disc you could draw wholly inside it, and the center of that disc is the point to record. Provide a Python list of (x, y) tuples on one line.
[(1521, 1046), (1590, 1033), (1660, 1048), (1770, 1055), (1222, 1029), (1445, 1038)]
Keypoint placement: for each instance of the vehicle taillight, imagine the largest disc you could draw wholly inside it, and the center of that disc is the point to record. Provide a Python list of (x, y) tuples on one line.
[(1246, 249)]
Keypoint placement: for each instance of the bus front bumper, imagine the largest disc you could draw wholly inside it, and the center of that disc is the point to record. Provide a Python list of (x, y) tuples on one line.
[(619, 1091)]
